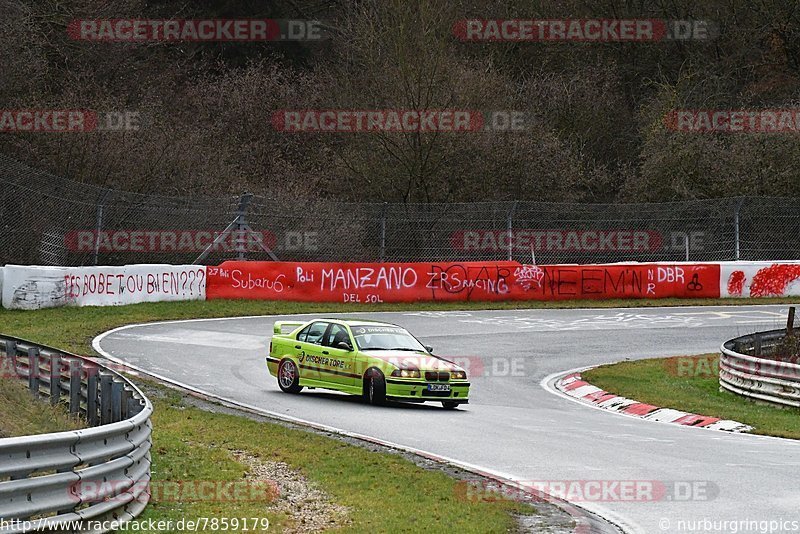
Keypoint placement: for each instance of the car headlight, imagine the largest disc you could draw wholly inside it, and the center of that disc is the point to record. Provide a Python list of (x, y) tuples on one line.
[(406, 373), (458, 375)]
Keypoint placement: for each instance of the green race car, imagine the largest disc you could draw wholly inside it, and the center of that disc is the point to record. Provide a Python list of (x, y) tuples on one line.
[(379, 361)]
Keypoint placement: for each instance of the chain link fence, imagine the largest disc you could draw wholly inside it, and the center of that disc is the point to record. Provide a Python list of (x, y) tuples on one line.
[(49, 220)]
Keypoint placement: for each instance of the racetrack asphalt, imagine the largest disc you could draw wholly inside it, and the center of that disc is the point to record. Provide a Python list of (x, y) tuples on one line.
[(513, 425)]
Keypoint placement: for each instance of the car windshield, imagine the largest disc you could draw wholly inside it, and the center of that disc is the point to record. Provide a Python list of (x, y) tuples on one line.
[(385, 338)]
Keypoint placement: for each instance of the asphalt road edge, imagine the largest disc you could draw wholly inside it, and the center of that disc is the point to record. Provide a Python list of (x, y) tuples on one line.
[(589, 519)]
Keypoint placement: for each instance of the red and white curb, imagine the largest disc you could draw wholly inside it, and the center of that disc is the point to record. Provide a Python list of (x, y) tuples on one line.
[(572, 385)]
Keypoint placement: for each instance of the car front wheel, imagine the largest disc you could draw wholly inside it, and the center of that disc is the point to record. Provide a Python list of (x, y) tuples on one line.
[(289, 377), (375, 387)]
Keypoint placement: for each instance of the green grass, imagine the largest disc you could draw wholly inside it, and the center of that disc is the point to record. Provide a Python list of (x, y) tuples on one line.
[(691, 384), (384, 492), (19, 416)]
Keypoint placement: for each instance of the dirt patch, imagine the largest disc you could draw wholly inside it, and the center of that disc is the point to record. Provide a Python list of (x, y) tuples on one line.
[(308, 508)]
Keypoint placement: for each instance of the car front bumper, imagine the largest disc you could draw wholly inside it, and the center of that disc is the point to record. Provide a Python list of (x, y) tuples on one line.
[(412, 390)]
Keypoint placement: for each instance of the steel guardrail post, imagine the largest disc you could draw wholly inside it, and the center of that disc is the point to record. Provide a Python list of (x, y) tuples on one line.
[(105, 399), (74, 387), (125, 403), (770, 379), (40, 474), (11, 357), (33, 371), (116, 401), (91, 395), (55, 379)]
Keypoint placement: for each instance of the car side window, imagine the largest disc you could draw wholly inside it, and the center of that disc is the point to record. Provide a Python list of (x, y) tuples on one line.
[(303, 333), (336, 334), (316, 332)]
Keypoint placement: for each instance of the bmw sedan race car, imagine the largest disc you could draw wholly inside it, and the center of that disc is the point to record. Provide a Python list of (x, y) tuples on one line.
[(379, 361)]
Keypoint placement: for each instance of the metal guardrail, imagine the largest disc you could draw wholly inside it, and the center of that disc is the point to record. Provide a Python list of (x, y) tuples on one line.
[(743, 370), (97, 474)]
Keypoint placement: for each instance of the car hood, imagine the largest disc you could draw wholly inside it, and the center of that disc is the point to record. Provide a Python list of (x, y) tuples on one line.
[(421, 360)]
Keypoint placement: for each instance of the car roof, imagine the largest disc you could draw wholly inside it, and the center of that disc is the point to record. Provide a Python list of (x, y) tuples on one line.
[(360, 322)]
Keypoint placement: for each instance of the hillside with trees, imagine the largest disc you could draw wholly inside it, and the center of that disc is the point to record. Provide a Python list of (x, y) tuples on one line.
[(594, 112)]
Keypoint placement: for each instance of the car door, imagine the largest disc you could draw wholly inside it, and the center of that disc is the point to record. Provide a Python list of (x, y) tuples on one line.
[(309, 351), (340, 363)]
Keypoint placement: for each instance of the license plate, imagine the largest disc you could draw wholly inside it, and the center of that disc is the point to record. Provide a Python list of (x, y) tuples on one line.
[(438, 387)]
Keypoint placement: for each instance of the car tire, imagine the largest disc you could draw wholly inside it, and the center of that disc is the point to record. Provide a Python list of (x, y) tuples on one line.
[(374, 387), (289, 377), (449, 405)]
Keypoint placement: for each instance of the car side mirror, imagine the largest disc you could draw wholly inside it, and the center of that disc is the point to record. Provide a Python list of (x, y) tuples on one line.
[(428, 348), (344, 345)]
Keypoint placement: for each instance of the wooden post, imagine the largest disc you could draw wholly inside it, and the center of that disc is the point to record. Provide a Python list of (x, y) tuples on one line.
[(790, 323)]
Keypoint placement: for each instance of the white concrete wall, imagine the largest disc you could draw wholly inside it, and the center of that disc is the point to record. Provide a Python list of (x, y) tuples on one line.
[(32, 287)]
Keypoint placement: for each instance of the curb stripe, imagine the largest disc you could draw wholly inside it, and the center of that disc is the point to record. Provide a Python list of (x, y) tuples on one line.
[(574, 386)]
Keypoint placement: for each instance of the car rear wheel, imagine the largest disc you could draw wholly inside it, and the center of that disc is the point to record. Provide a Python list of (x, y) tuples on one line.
[(375, 387), (289, 377), (449, 405)]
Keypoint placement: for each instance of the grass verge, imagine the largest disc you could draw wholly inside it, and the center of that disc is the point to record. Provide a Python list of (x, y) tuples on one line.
[(382, 492), (21, 417), (691, 384)]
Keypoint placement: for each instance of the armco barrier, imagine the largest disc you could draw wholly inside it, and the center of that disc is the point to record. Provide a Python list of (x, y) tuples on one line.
[(743, 372), (44, 478)]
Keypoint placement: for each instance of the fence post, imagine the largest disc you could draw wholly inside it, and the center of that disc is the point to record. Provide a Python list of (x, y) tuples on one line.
[(509, 229), (101, 205), (75, 386), (736, 210), (686, 245), (383, 232), (33, 371), (790, 322), (241, 225)]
